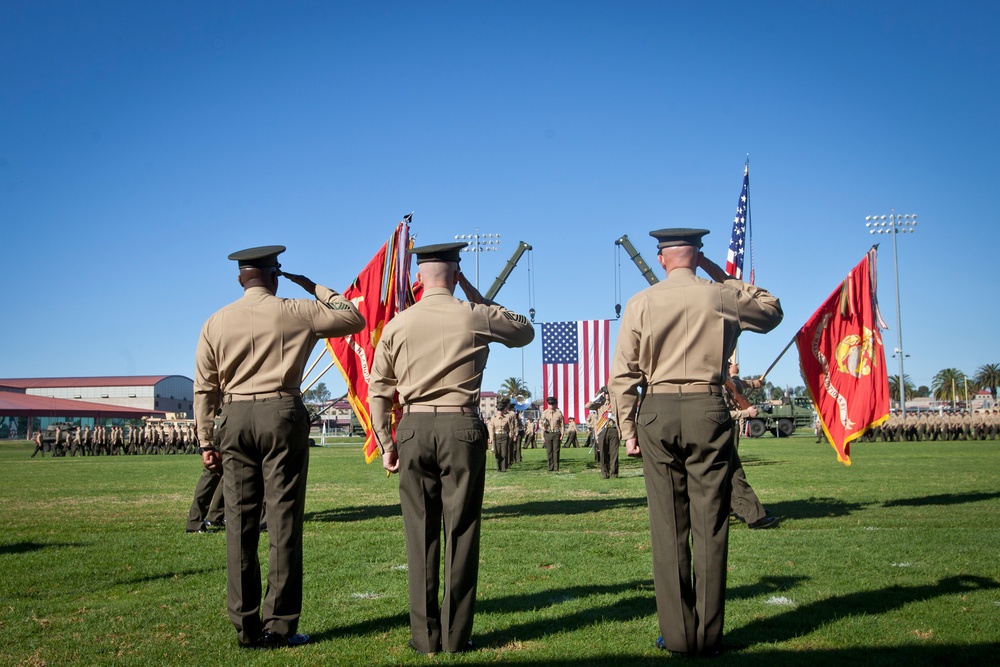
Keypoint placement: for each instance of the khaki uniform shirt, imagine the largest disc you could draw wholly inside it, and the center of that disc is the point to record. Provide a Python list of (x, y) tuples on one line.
[(682, 331), (552, 420), (260, 344), (434, 353), (502, 424)]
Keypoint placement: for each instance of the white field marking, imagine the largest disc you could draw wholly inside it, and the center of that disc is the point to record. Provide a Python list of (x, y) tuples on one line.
[(780, 600)]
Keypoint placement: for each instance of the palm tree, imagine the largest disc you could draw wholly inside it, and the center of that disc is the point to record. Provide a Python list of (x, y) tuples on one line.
[(512, 388), (988, 377), (894, 387), (949, 384)]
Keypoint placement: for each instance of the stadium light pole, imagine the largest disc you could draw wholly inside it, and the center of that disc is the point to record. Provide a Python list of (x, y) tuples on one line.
[(479, 243), (895, 224)]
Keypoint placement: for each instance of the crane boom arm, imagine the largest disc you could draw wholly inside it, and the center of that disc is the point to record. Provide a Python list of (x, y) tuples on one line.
[(502, 278), (637, 258)]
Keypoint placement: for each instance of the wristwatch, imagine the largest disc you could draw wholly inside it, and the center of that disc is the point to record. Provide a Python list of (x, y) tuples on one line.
[(202, 450)]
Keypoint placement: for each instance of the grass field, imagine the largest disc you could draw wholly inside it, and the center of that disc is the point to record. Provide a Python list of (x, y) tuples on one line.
[(892, 561)]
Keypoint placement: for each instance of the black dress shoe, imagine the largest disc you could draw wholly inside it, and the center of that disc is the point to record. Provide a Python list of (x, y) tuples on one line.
[(766, 521), (214, 526)]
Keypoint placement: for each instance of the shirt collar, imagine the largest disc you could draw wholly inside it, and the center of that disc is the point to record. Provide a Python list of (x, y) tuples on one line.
[(436, 291)]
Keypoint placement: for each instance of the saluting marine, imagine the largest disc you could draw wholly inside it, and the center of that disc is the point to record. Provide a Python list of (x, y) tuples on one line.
[(248, 369), (675, 340), (434, 354)]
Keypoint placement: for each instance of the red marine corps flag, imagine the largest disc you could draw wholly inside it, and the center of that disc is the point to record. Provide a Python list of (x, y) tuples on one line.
[(843, 360), (379, 292)]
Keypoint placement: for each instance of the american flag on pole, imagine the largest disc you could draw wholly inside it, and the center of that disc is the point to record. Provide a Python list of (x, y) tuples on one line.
[(738, 241), (576, 362)]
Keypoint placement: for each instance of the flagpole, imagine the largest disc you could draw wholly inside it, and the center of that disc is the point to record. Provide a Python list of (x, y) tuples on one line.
[(775, 362), (309, 386), (320, 356)]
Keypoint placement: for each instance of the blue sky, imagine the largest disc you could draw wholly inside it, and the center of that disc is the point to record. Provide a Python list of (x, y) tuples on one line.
[(142, 142)]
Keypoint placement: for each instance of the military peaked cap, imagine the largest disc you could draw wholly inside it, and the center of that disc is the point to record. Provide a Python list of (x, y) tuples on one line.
[(678, 236), (261, 257), (441, 252)]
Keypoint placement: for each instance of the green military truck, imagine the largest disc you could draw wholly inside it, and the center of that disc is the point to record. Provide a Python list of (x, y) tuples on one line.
[(781, 419)]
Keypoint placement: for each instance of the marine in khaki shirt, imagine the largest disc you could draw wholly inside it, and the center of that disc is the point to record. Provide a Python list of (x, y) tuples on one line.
[(553, 425), (434, 354), (676, 339), (261, 343), (248, 368), (502, 429)]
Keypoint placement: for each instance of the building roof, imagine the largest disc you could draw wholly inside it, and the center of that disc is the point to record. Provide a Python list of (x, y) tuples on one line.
[(106, 381), (25, 405)]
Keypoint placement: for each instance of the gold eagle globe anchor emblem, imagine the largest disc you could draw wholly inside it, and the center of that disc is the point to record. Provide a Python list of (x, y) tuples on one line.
[(856, 354)]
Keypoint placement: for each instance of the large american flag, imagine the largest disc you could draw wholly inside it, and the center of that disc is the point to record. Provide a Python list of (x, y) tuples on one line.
[(576, 362), (739, 239)]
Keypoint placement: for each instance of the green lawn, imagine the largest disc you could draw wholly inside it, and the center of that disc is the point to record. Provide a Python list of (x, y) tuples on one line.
[(891, 561)]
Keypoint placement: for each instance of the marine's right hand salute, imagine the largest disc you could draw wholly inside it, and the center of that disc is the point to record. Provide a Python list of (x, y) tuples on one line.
[(714, 271), (301, 281)]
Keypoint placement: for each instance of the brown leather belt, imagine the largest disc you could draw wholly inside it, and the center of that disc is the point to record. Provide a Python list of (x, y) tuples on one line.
[(437, 409), (231, 398), (682, 389)]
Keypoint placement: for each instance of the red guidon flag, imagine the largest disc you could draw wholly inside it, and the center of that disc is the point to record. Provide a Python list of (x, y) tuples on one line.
[(379, 292), (843, 359)]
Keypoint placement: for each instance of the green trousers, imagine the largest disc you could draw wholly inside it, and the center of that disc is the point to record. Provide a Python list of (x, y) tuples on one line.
[(687, 449), (208, 504), (552, 443), (265, 457), (745, 502), (610, 442), (502, 451), (442, 473)]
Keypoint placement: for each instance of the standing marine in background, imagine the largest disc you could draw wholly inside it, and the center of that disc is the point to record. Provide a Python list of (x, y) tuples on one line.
[(500, 428), (552, 426), (744, 503)]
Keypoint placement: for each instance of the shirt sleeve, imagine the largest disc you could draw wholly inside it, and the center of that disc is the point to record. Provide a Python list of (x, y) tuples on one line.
[(508, 327), (760, 311), (381, 386), (336, 316), (207, 389), (623, 384)]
